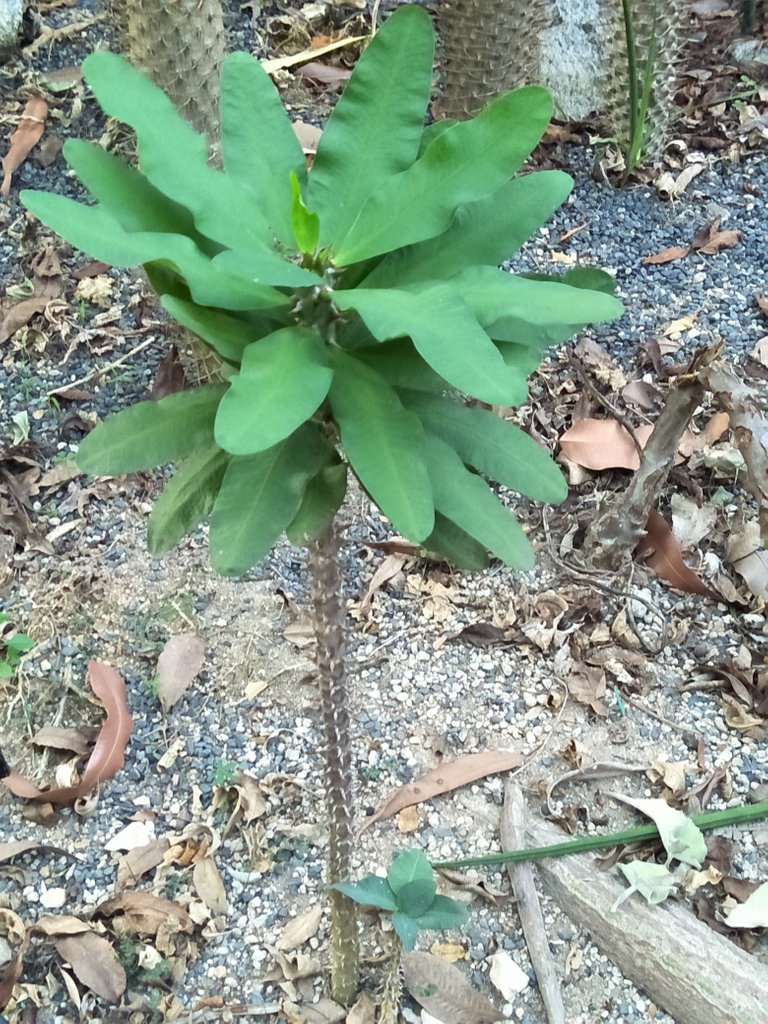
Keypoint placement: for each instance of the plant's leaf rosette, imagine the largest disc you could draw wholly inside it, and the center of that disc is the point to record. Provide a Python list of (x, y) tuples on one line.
[(409, 894), (355, 307)]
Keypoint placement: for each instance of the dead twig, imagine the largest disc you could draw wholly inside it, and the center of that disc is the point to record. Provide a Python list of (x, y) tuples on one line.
[(513, 817)]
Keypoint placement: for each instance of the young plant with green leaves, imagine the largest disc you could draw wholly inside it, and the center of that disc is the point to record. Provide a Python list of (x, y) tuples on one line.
[(409, 896), (13, 646), (353, 307)]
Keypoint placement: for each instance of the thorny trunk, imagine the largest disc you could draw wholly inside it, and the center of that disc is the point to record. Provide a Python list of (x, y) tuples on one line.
[(391, 989), (323, 562), (180, 45), (488, 47)]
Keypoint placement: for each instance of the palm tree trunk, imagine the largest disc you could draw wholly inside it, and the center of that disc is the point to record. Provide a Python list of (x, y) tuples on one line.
[(323, 563)]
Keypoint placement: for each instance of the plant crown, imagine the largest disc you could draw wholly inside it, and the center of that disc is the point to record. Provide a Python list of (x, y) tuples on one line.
[(353, 305)]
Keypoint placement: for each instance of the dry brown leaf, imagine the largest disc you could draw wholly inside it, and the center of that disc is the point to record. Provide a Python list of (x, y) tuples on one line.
[(131, 866), (60, 738), (641, 394), (680, 326), (209, 886), (587, 685), (444, 991), (711, 240), (308, 136), (603, 444), (711, 432), (178, 665), (690, 523), (749, 558), (667, 560), (324, 74), (388, 569), (27, 135), (448, 776), (170, 377), (108, 756), (94, 963), (144, 913), (291, 60), (300, 929), (760, 352), (762, 302), (674, 252), (10, 850), (363, 1012), (409, 819)]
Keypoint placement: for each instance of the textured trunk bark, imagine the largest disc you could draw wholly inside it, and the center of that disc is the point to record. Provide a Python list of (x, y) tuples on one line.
[(180, 45), (323, 562)]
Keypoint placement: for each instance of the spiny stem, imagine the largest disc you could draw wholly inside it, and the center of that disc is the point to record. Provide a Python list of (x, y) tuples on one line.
[(713, 819), (323, 561)]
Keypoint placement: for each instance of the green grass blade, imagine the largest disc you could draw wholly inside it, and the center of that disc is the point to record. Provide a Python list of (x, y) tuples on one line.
[(258, 145), (283, 380), (445, 332), (374, 131), (150, 434), (259, 498), (466, 500), (187, 499), (497, 449), (712, 819), (463, 164), (384, 443)]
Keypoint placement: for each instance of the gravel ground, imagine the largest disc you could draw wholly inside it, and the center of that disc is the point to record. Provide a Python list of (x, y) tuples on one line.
[(415, 690)]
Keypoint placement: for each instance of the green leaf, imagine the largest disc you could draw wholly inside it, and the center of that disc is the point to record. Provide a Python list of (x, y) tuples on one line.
[(173, 156), (578, 277), (91, 229), (228, 335), (187, 499), (258, 144), (259, 497), (374, 131), (371, 891), (416, 897), (406, 928), (431, 132), (18, 643), (125, 193), (400, 365), (485, 232), (265, 266), (283, 380), (508, 306), (385, 445), (466, 500), (456, 546), (408, 867), (493, 446), (523, 359), (446, 334), (444, 913), (305, 225), (464, 163), (322, 500), (151, 433)]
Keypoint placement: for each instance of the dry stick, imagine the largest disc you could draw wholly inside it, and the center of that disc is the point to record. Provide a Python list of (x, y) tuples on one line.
[(683, 965), (97, 370), (513, 817), (614, 535)]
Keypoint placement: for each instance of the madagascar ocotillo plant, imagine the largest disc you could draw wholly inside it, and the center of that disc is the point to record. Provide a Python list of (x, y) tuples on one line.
[(353, 307)]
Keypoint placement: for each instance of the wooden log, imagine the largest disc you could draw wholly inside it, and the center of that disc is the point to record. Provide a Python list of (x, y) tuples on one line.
[(691, 971)]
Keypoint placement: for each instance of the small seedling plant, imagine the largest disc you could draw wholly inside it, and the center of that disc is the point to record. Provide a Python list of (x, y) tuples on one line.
[(355, 307), (409, 895), (12, 646)]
